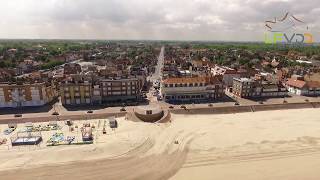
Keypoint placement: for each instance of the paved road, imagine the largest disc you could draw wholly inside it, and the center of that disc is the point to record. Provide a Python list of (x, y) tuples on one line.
[(158, 72)]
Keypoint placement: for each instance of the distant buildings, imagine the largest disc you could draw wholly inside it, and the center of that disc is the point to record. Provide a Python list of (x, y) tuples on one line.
[(72, 68), (227, 73), (22, 95), (192, 89)]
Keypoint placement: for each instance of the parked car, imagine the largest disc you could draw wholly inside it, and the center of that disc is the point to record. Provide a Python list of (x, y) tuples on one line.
[(55, 113), (18, 115)]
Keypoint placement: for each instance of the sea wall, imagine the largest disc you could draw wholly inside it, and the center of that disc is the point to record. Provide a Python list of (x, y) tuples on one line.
[(242, 109), (167, 114)]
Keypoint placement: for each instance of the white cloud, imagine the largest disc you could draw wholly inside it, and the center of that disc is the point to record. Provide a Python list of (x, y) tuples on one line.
[(147, 19)]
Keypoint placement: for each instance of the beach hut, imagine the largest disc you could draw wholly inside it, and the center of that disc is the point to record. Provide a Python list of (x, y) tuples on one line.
[(113, 123)]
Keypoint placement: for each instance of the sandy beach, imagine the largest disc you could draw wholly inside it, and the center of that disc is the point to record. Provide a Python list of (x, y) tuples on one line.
[(261, 145)]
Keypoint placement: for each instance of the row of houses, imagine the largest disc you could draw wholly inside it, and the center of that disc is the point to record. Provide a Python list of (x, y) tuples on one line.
[(252, 88), (198, 88), (299, 86), (74, 91)]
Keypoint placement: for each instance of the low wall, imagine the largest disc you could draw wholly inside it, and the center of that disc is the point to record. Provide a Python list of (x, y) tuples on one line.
[(150, 117), (166, 117), (61, 118), (213, 110), (281, 106), (242, 109), (316, 104)]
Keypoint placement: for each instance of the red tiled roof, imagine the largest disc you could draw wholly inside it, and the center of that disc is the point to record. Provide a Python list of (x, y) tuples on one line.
[(201, 79), (296, 83), (185, 80)]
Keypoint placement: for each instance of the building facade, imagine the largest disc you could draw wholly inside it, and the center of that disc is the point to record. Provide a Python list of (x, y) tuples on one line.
[(245, 87), (26, 95), (76, 93), (101, 91), (192, 89), (120, 89), (303, 88), (251, 88)]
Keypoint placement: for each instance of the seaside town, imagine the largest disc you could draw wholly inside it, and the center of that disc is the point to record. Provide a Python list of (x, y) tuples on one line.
[(159, 90), (121, 74), (117, 96)]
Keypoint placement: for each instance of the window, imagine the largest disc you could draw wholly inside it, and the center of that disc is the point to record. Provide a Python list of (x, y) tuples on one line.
[(87, 100), (68, 101)]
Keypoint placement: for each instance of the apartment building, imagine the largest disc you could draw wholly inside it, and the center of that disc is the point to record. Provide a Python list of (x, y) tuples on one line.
[(76, 92), (192, 89), (245, 87), (271, 89), (121, 89), (251, 88), (26, 95)]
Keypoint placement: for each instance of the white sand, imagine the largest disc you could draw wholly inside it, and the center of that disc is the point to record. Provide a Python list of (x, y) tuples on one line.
[(128, 136), (262, 145)]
